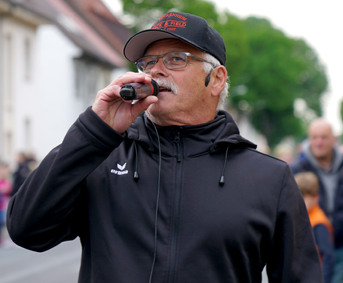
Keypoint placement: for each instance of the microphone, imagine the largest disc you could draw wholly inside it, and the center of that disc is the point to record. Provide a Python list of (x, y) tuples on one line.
[(138, 90)]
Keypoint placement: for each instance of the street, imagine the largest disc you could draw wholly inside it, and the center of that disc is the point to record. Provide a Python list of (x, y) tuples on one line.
[(60, 264)]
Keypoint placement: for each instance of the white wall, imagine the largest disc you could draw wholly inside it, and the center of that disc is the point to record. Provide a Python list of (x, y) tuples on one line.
[(18, 89), (57, 106), (39, 104), (40, 101)]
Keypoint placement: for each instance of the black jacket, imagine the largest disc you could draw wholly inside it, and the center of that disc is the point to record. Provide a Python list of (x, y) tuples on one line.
[(206, 231)]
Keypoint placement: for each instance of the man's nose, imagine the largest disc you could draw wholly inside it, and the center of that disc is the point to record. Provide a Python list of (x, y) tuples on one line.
[(159, 69)]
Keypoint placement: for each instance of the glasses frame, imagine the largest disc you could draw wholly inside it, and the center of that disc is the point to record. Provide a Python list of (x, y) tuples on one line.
[(162, 56)]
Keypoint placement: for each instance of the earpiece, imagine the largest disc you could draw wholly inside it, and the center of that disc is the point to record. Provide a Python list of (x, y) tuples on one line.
[(208, 77)]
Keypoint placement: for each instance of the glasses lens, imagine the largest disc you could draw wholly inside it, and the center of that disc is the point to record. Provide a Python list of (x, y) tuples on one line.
[(175, 60), (140, 65), (145, 64)]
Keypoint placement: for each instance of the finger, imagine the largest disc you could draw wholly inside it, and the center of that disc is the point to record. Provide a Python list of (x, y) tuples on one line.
[(109, 93), (131, 77)]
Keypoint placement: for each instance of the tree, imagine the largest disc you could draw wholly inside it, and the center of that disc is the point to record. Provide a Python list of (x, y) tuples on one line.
[(279, 70), (268, 70), (341, 112)]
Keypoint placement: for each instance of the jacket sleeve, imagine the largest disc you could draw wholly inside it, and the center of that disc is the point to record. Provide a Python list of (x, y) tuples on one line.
[(337, 216), (293, 255), (49, 207)]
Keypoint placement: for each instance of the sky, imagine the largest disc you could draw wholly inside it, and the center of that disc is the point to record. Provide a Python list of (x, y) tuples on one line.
[(319, 23)]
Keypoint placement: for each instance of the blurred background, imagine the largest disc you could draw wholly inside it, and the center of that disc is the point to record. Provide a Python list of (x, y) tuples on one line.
[(284, 63)]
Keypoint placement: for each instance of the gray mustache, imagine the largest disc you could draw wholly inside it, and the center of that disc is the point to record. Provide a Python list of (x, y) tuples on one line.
[(167, 84)]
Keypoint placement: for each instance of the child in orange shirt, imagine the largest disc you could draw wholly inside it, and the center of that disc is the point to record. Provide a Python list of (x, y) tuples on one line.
[(322, 228)]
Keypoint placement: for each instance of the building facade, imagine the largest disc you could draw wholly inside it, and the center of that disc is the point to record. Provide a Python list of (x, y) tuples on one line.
[(54, 57)]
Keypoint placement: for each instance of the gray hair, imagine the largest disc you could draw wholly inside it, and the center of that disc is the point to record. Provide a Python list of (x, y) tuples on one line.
[(207, 69)]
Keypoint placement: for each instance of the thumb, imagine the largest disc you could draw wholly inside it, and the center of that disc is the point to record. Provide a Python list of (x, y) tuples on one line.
[(143, 104)]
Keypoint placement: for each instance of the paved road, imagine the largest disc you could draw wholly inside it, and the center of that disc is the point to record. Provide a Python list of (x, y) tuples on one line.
[(58, 265)]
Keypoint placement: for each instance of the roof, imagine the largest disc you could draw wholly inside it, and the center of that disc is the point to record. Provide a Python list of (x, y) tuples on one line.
[(87, 23)]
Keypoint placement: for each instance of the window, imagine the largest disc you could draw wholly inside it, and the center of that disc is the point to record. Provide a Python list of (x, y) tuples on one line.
[(89, 79), (27, 133), (27, 59)]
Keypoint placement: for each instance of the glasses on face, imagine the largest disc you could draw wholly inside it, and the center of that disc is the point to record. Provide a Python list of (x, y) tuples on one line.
[(172, 61)]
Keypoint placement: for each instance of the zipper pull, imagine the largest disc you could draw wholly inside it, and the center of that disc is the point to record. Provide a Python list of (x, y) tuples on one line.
[(177, 141)]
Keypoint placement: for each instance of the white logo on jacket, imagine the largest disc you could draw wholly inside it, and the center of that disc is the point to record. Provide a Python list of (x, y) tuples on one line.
[(121, 170)]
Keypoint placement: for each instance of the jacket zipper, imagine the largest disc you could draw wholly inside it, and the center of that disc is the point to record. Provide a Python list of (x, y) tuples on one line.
[(176, 211), (177, 141)]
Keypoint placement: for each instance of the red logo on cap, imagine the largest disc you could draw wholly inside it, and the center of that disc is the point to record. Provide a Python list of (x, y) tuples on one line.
[(164, 25), (173, 15)]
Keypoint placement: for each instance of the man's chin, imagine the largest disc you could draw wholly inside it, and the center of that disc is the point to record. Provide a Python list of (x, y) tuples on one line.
[(156, 116), (156, 109), (320, 156), (150, 113)]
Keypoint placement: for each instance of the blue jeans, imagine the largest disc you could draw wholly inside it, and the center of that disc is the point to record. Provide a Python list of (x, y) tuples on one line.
[(338, 272)]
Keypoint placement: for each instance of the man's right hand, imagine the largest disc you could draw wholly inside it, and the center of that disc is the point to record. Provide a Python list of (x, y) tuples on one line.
[(117, 112)]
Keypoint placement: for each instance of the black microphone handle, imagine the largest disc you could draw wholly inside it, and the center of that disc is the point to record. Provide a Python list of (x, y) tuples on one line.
[(135, 91)]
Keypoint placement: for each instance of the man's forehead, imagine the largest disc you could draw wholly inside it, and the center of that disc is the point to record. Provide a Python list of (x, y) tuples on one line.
[(323, 131), (320, 127)]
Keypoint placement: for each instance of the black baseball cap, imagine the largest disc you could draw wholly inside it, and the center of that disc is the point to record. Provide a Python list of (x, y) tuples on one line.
[(186, 27)]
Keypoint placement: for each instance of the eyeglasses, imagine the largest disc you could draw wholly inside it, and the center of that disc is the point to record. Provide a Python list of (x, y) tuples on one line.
[(172, 61)]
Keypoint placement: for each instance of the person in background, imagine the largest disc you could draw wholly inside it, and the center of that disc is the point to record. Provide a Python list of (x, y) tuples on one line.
[(166, 189), (321, 225), (5, 192), (21, 172), (31, 161), (322, 156), (284, 152)]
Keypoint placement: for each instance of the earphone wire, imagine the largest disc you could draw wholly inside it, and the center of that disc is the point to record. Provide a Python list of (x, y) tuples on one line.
[(157, 204)]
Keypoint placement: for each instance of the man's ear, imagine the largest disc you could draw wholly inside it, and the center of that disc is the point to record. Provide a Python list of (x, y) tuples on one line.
[(218, 80)]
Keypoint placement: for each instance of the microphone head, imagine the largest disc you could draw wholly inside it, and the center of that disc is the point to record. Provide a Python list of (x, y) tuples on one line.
[(128, 92), (139, 90)]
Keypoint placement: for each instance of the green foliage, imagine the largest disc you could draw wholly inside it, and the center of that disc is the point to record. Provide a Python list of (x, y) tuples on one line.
[(341, 110), (236, 40), (267, 69), (279, 70), (143, 13)]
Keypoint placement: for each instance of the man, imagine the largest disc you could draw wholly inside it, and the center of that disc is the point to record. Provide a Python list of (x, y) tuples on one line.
[(174, 194), (321, 156)]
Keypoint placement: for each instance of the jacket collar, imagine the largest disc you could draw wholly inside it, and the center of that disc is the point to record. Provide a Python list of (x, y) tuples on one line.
[(215, 135)]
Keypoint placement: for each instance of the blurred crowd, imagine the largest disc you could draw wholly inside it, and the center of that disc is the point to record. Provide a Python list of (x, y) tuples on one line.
[(10, 181), (317, 165)]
